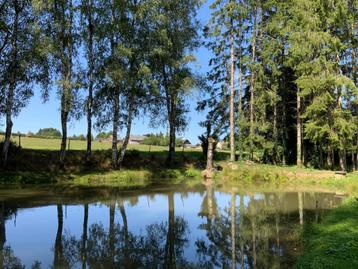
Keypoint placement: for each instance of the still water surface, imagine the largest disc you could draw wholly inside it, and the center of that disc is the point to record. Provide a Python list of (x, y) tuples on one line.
[(158, 227)]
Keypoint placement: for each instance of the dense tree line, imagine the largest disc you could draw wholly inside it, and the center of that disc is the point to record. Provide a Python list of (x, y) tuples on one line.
[(108, 60), (284, 80), (281, 86)]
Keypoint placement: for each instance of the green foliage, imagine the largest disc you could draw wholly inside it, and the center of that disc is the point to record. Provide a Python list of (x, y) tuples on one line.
[(304, 49), (48, 133), (103, 135), (161, 140)]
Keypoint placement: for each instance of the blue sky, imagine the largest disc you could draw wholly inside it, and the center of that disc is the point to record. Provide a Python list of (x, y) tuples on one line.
[(40, 115)]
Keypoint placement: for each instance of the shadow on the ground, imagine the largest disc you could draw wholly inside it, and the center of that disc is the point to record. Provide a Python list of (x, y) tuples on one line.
[(334, 242), (42, 166)]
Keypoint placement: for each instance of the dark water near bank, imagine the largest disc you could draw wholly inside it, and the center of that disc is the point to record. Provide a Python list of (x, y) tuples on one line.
[(158, 227)]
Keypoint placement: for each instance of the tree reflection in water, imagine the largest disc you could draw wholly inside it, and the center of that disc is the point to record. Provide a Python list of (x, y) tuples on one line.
[(160, 246), (246, 231)]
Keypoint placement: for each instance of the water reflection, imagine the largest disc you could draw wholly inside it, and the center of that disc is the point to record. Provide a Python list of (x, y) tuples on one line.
[(199, 227)]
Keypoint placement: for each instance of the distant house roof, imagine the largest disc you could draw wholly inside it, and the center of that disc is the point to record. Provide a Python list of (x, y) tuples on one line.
[(186, 142), (137, 137)]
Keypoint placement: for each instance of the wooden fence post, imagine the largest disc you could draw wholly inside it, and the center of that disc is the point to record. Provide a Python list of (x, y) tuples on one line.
[(19, 140)]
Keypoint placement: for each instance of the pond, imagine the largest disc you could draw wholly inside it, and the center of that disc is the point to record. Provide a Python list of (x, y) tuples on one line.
[(156, 227)]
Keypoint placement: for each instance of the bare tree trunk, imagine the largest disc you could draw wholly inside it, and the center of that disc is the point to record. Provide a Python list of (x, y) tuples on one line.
[(299, 131), (128, 132), (232, 97), (356, 160), (342, 159), (284, 133), (330, 157), (209, 161), (240, 91), (172, 127), (66, 94), (300, 207), (233, 230), (240, 113), (115, 131), (12, 86), (254, 254), (2, 234), (353, 161), (59, 259), (84, 237), (126, 234), (90, 78), (64, 118), (112, 209), (354, 76), (252, 84), (169, 259), (241, 213), (275, 132)]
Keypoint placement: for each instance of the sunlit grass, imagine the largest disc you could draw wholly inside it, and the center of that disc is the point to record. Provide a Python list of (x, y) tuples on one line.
[(54, 144)]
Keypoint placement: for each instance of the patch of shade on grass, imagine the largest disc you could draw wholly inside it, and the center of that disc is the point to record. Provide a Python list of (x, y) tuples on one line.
[(333, 243)]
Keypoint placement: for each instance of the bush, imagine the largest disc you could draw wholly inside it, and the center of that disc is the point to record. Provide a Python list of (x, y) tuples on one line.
[(49, 132)]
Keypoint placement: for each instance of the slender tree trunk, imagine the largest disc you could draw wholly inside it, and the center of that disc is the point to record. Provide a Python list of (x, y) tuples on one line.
[(169, 259), (277, 221), (342, 159), (252, 84), (128, 132), (330, 157), (90, 78), (2, 234), (239, 94), (353, 161), (240, 117), (233, 230), (126, 234), (209, 158), (84, 237), (275, 131), (115, 131), (66, 95), (300, 207), (172, 131), (241, 213), (59, 260), (12, 86), (232, 97), (254, 253), (64, 118), (356, 161), (112, 209), (299, 131)]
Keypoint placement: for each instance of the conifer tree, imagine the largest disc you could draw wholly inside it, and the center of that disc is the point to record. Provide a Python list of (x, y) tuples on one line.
[(224, 33)]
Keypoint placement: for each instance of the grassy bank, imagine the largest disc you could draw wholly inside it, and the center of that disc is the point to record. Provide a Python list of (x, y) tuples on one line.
[(288, 176), (41, 166), (334, 242)]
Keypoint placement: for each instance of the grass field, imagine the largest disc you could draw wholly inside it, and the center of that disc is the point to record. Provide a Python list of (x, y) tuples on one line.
[(54, 144)]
